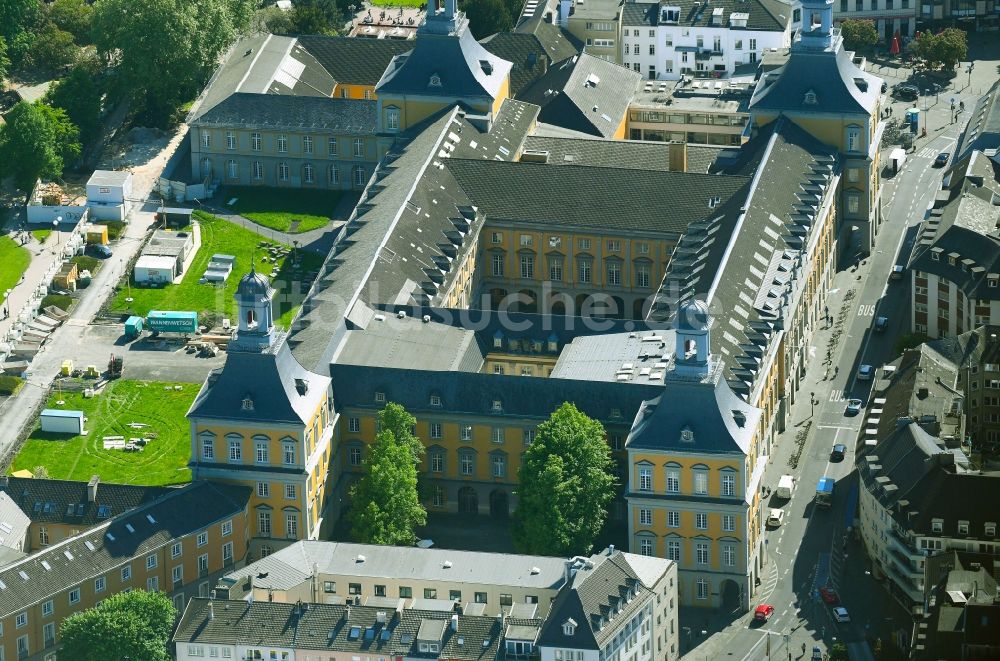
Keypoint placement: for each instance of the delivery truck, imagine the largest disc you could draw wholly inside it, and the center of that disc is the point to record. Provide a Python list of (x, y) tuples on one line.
[(824, 491)]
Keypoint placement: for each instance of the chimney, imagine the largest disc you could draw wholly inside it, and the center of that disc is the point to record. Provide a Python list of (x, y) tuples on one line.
[(678, 156), (611, 549), (454, 622), (92, 488), (211, 610)]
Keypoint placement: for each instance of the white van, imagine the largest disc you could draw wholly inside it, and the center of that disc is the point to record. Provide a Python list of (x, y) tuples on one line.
[(785, 486)]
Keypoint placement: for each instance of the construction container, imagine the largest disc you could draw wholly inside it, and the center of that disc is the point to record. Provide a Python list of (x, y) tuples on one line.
[(170, 321), (133, 327), (67, 368)]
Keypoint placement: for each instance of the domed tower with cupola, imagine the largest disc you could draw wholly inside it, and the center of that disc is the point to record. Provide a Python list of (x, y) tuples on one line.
[(692, 339), (254, 296)]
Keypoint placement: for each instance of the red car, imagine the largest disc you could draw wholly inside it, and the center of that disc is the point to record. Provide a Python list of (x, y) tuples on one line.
[(829, 595), (763, 612)]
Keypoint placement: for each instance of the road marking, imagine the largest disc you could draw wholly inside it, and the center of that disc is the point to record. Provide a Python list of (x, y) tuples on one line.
[(834, 427)]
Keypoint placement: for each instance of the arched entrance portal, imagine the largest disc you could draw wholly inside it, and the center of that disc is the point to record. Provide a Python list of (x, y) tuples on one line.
[(468, 501), (499, 504), (730, 596)]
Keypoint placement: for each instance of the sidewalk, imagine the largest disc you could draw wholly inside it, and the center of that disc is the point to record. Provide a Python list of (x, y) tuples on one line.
[(43, 256)]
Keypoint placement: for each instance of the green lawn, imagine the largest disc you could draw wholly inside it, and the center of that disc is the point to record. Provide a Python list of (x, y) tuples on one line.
[(280, 208), (41, 235), (221, 236), (159, 405), (399, 3), (15, 261)]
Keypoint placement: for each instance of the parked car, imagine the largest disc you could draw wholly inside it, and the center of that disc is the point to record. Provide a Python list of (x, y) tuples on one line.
[(838, 452), (775, 518), (829, 595), (942, 159), (866, 372), (840, 614), (98, 250), (763, 612), (881, 324), (906, 92), (854, 406), (817, 654), (897, 272)]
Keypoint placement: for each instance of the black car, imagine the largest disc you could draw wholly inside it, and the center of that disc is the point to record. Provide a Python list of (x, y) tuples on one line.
[(838, 452), (98, 250), (906, 92), (942, 159)]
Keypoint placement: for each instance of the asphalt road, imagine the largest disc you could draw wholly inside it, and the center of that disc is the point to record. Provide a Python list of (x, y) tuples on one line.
[(813, 545)]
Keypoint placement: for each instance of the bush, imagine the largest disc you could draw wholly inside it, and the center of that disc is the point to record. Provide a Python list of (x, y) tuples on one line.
[(9, 385), (115, 229), (86, 263), (61, 301)]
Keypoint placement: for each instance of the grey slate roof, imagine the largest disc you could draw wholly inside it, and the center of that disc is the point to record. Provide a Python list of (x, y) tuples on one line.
[(473, 393), (922, 387), (632, 154), (830, 74), (49, 501), (354, 61), (764, 15), (178, 513), (270, 380), (264, 64), (983, 130), (13, 526), (338, 628), (300, 113), (603, 587), (466, 70), (296, 563), (742, 260), (412, 220), (583, 93), (625, 200), (531, 53), (964, 225), (915, 478)]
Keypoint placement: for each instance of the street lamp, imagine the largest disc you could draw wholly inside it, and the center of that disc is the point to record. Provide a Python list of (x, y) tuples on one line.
[(969, 71), (812, 404), (6, 304), (55, 227), (952, 110)]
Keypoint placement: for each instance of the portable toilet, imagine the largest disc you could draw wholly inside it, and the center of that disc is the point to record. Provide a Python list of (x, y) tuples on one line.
[(133, 326), (67, 368)]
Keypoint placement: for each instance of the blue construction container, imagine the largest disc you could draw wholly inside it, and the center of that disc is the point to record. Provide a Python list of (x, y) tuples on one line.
[(169, 321)]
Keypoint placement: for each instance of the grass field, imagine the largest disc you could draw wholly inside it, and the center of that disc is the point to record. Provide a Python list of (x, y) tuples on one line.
[(399, 3), (15, 260), (157, 404), (221, 236), (279, 209), (41, 235)]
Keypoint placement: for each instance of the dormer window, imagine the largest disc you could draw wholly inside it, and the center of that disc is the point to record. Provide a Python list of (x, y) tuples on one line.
[(963, 527), (937, 525), (247, 404), (687, 436), (497, 405), (990, 529), (435, 400), (810, 98), (379, 396), (569, 627), (616, 413), (435, 81)]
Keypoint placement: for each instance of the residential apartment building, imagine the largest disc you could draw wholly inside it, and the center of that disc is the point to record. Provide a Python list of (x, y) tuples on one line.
[(595, 23), (831, 98), (549, 608), (266, 423), (321, 632), (708, 113), (891, 17), (955, 265), (671, 40), (965, 14), (906, 514), (179, 544), (615, 606)]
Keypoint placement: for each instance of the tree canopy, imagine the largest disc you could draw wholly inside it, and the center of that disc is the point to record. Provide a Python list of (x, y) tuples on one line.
[(79, 95), (946, 48), (17, 16), (162, 51), (316, 17), (37, 141), (385, 504), (72, 16), (127, 625), (488, 17), (858, 34), (4, 61), (566, 484)]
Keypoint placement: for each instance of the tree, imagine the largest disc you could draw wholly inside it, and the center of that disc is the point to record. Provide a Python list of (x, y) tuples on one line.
[(36, 142), (385, 505), (162, 51), (316, 17), (17, 16), (859, 35), (79, 95), (487, 17), (947, 48), (73, 16), (127, 625), (54, 49), (4, 61), (566, 485)]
